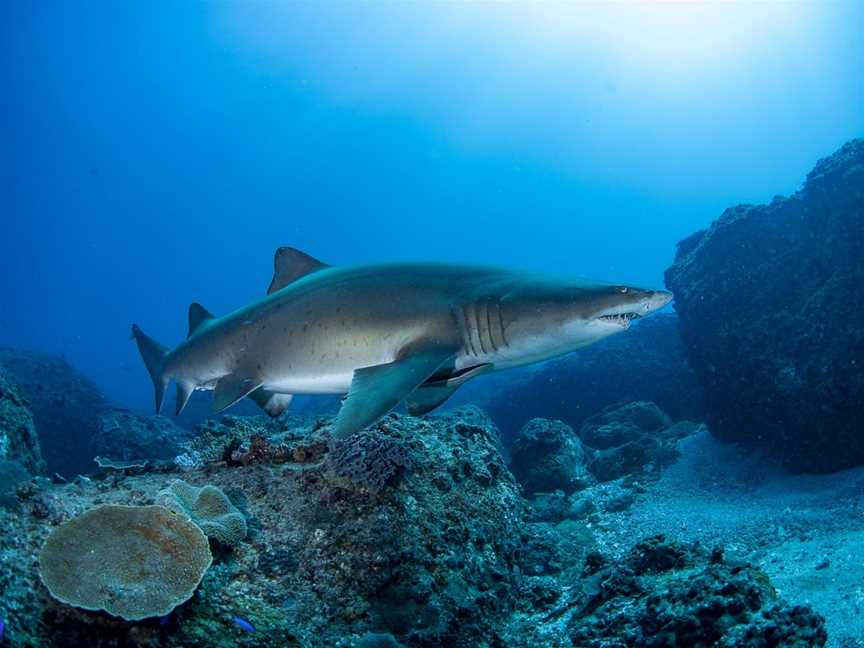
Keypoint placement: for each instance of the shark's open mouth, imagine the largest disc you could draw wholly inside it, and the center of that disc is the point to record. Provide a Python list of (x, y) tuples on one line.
[(623, 319)]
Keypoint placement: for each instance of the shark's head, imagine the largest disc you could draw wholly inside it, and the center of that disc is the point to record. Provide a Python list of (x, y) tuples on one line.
[(547, 319), (608, 309)]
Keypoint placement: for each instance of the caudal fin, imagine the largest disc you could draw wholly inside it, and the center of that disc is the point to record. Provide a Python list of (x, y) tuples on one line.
[(153, 355)]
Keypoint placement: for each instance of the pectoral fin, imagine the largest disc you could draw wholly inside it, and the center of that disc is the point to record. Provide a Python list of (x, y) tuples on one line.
[(376, 390), (271, 402), (430, 395), (230, 389)]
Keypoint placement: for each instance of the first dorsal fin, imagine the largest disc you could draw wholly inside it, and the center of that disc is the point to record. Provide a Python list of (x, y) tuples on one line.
[(198, 315), (289, 265)]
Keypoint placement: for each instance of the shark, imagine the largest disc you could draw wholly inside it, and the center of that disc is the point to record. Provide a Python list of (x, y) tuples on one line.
[(382, 335)]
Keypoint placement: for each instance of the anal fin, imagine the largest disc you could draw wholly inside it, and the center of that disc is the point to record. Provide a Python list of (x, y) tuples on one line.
[(230, 389), (376, 390)]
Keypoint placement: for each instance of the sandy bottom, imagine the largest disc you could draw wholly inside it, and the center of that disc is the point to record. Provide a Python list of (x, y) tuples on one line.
[(805, 532)]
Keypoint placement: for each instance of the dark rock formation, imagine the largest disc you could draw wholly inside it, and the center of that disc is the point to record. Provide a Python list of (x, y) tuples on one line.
[(771, 305), (18, 439), (666, 594), (75, 422), (645, 363), (635, 438), (125, 435), (66, 407), (618, 424), (428, 553), (632, 439), (12, 473), (548, 456)]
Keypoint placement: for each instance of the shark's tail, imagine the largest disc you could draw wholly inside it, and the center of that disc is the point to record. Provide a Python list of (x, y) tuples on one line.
[(154, 355)]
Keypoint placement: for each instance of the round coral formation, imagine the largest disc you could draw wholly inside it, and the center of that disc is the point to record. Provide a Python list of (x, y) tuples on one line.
[(133, 562), (209, 508)]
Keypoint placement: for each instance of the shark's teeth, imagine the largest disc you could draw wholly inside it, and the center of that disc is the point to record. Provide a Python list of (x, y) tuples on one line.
[(622, 319)]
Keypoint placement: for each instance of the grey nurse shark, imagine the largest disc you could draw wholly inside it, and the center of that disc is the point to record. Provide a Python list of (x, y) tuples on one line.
[(384, 334)]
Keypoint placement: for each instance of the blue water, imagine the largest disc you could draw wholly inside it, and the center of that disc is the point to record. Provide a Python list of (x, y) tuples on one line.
[(158, 153)]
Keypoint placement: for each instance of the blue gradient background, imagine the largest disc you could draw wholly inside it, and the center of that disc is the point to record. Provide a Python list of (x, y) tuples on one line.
[(157, 153)]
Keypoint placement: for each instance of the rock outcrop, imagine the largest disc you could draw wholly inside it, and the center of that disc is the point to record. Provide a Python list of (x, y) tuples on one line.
[(632, 439), (626, 440), (771, 306), (18, 440), (548, 456), (667, 594), (124, 435), (66, 407)]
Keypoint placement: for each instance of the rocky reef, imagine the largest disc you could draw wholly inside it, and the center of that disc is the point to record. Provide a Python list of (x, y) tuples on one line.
[(413, 533), (667, 594), (19, 442), (771, 312), (71, 421), (647, 363), (632, 440), (124, 435), (66, 407)]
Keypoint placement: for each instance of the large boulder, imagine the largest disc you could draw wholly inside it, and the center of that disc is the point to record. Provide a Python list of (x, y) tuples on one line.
[(18, 440), (632, 439), (618, 424), (125, 435), (645, 363), (668, 594), (547, 456), (771, 310), (66, 407)]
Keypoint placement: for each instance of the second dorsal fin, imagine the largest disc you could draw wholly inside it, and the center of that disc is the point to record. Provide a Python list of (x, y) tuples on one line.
[(289, 265), (198, 316)]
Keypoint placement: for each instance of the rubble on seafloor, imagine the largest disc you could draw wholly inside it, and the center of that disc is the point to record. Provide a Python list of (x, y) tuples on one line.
[(413, 533)]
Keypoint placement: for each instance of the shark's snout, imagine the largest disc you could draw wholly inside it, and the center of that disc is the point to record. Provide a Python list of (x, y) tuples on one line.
[(658, 300)]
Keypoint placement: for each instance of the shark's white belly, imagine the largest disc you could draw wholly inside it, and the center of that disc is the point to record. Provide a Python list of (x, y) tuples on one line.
[(324, 383)]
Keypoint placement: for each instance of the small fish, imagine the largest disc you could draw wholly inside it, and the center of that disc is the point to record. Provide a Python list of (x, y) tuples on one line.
[(243, 624), (165, 620)]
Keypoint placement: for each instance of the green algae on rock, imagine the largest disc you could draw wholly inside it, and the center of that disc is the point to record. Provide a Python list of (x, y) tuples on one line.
[(133, 562)]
